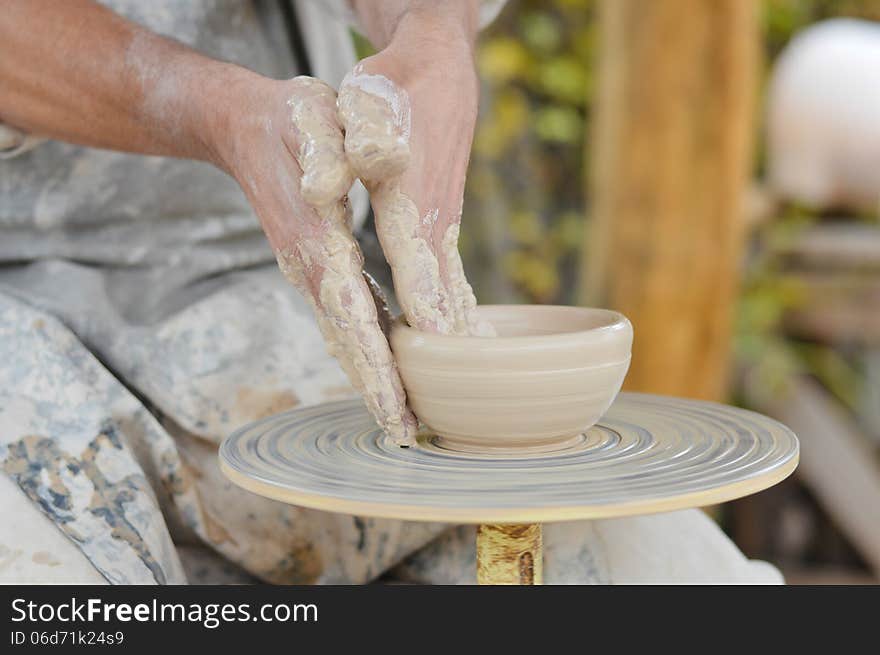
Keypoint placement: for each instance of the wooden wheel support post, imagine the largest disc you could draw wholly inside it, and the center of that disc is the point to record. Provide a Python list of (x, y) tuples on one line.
[(510, 554)]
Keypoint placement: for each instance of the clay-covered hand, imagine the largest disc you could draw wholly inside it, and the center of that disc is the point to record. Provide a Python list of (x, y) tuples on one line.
[(286, 151), (409, 114)]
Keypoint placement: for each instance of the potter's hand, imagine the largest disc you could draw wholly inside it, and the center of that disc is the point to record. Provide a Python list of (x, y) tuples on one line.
[(286, 151), (409, 115)]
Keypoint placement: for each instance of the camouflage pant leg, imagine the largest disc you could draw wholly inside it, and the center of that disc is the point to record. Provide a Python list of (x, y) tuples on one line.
[(32, 549), (248, 349), (65, 426)]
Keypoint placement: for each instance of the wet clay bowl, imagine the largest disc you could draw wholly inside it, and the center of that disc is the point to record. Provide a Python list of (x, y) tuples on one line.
[(549, 375)]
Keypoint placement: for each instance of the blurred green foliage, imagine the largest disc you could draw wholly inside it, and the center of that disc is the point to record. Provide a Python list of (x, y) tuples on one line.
[(783, 18), (525, 203)]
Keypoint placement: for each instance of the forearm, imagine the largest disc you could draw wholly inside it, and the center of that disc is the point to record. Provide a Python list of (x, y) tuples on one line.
[(383, 19), (77, 72)]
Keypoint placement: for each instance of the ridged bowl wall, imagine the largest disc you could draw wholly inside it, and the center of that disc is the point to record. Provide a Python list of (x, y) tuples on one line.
[(550, 374)]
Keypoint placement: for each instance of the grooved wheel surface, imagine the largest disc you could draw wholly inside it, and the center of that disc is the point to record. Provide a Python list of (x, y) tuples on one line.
[(647, 454)]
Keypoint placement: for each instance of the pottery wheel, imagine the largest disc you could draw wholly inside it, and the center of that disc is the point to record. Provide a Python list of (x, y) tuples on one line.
[(647, 454)]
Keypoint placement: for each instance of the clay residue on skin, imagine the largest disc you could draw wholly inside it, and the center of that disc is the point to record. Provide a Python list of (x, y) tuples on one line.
[(146, 58), (373, 108), (381, 87), (376, 114), (327, 263), (429, 220), (326, 175), (414, 267), (347, 318), (467, 321)]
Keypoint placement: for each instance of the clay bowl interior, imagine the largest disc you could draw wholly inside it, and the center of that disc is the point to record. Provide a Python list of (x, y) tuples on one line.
[(550, 374)]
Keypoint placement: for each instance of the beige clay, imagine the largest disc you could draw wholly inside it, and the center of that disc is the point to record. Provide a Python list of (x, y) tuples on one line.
[(329, 269), (376, 115), (548, 376), (368, 136)]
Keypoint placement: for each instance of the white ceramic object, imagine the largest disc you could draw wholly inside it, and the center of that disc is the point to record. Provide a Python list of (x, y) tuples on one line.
[(550, 374), (823, 100)]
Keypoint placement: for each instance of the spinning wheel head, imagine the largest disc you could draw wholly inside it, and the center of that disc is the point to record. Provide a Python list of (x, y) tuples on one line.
[(647, 454)]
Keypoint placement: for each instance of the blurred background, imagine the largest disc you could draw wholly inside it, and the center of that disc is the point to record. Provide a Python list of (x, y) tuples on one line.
[(711, 170)]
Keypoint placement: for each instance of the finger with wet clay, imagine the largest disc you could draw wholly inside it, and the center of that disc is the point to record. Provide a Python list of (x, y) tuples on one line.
[(326, 174), (375, 114)]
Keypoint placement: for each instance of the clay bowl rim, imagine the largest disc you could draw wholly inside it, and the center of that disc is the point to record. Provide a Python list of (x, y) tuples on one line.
[(617, 322)]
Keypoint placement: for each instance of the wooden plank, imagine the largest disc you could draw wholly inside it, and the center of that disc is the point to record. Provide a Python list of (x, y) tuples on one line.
[(843, 244), (836, 306), (836, 324), (672, 151), (837, 463)]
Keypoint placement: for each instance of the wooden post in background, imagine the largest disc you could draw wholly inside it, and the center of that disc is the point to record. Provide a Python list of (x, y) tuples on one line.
[(670, 161)]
